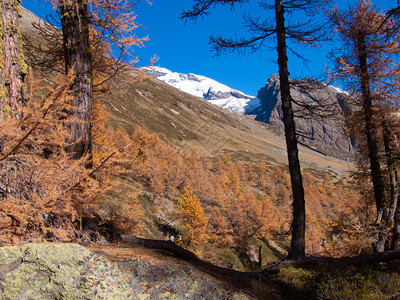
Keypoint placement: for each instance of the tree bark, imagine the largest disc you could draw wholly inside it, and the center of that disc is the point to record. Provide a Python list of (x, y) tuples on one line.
[(396, 228), (13, 67), (297, 247), (372, 142), (394, 212), (77, 53)]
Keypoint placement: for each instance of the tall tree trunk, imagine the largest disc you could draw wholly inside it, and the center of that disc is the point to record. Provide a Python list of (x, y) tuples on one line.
[(13, 66), (373, 149), (394, 212), (297, 247), (396, 228), (75, 27)]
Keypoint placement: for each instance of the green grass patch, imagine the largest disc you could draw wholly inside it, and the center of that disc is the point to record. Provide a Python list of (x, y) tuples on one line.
[(339, 282)]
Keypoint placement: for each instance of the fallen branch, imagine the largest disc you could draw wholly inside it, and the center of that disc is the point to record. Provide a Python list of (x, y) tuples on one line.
[(237, 278), (272, 268)]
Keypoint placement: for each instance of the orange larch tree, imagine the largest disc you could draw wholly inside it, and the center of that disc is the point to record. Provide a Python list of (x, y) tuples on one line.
[(193, 215), (13, 69), (367, 63), (282, 30), (114, 22)]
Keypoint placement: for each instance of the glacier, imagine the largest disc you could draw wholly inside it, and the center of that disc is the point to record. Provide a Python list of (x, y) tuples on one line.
[(209, 89)]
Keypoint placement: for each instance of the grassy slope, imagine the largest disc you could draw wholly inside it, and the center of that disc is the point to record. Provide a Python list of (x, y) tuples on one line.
[(186, 121), (190, 122)]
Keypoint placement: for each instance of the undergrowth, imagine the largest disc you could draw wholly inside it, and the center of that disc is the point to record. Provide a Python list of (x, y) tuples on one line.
[(377, 281)]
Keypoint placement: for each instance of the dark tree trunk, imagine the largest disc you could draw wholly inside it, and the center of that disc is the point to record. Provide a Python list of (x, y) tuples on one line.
[(14, 68), (372, 142), (75, 27), (297, 247), (396, 228), (394, 213)]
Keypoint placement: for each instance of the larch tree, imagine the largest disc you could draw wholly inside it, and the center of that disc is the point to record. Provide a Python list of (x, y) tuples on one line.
[(262, 31), (113, 23), (77, 54), (193, 214), (13, 69), (367, 63)]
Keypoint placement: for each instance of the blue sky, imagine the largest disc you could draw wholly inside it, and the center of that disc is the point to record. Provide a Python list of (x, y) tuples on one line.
[(183, 47)]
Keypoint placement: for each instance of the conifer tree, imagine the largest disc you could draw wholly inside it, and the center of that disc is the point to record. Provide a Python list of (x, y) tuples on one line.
[(114, 20), (262, 31), (193, 214), (13, 69), (366, 63), (77, 54)]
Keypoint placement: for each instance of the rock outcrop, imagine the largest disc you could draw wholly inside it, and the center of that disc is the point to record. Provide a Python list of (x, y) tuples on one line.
[(70, 271), (323, 134)]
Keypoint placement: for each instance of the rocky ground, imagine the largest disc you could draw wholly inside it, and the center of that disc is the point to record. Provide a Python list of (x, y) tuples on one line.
[(71, 271)]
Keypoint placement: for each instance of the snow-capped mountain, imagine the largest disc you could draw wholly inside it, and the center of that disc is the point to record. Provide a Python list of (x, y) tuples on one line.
[(206, 88), (325, 135)]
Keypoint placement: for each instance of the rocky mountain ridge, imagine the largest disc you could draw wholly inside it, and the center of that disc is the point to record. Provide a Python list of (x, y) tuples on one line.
[(324, 135), (321, 130)]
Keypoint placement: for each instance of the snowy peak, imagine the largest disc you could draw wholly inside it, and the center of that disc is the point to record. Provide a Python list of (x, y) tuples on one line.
[(204, 87)]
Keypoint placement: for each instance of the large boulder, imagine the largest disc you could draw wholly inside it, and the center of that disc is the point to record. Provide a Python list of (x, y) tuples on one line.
[(70, 271)]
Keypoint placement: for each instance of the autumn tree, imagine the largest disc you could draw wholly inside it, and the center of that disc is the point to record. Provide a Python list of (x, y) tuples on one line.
[(366, 63), (113, 21), (193, 215), (77, 54), (262, 31), (13, 68)]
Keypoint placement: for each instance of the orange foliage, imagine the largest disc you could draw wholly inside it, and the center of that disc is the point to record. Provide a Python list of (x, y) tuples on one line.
[(45, 194), (193, 216), (240, 204)]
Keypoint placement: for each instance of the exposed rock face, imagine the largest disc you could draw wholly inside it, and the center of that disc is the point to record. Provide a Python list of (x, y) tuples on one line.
[(70, 271), (325, 135)]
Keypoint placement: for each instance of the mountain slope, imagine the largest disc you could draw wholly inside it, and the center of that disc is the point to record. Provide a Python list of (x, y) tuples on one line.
[(187, 122), (204, 87), (324, 135)]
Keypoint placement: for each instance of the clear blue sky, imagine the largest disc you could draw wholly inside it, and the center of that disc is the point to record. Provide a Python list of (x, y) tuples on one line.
[(183, 47)]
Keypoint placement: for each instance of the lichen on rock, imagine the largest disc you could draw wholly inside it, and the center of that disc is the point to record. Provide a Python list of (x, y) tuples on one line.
[(70, 271)]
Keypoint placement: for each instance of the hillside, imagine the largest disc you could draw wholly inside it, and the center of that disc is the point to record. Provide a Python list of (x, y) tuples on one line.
[(186, 121), (322, 131), (180, 199)]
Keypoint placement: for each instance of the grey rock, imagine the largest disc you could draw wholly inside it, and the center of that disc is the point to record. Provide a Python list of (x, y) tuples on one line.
[(70, 271), (322, 134)]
